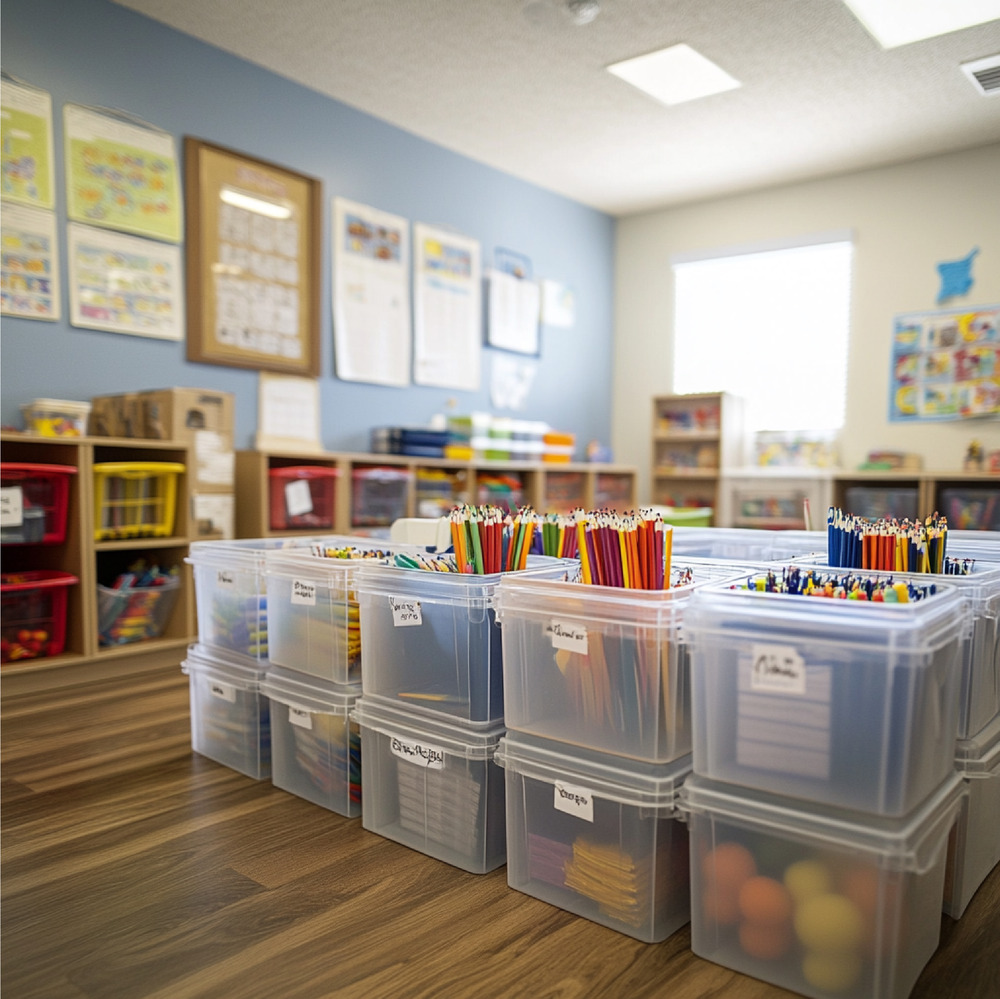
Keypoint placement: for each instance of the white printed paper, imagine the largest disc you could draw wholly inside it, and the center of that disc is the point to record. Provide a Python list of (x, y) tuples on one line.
[(430, 757), (223, 691), (447, 309), (29, 273), (300, 717), (298, 498), (11, 506), (303, 593), (512, 320), (371, 294), (567, 635), (777, 668)]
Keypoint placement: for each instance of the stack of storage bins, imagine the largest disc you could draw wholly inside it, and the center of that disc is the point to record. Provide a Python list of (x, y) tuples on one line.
[(250, 617), (823, 788), (432, 710), (597, 692)]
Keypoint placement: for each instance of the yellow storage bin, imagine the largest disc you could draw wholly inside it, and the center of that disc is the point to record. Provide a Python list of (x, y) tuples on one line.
[(135, 499)]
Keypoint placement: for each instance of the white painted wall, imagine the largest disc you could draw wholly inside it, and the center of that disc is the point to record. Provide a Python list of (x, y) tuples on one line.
[(905, 220)]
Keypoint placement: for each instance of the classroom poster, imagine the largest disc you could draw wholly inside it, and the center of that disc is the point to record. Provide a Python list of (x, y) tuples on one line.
[(26, 145), (945, 365), (125, 285), (29, 263), (371, 294), (447, 309), (121, 176), (513, 311)]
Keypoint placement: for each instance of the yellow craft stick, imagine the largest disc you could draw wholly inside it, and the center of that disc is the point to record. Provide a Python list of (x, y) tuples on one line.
[(668, 545), (581, 544)]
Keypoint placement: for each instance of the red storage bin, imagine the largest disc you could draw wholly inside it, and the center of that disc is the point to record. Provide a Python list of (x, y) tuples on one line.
[(33, 610), (35, 502), (302, 496)]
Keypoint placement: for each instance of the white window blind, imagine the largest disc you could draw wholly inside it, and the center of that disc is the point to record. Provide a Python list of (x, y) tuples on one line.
[(771, 327)]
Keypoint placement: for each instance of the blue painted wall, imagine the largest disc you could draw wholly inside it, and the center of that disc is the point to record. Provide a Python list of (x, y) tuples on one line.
[(97, 53)]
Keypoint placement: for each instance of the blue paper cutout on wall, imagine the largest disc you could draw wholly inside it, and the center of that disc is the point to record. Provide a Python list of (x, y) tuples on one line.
[(956, 276)]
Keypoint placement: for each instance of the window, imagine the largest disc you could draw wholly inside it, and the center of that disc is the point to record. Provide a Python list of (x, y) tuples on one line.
[(770, 327)]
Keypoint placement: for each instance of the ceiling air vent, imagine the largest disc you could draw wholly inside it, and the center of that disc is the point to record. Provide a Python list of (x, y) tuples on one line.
[(984, 74)]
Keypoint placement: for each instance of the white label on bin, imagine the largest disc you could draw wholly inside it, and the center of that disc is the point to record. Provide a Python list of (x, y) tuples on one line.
[(568, 636), (416, 752), (11, 506), (224, 691), (300, 717), (225, 579), (574, 800), (405, 613), (777, 668), (298, 498), (303, 593)]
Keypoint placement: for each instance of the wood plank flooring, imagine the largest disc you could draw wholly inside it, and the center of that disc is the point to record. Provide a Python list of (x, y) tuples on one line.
[(134, 869)]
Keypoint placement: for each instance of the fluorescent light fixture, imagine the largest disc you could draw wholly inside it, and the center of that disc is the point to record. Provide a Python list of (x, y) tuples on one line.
[(251, 204), (900, 22), (674, 75)]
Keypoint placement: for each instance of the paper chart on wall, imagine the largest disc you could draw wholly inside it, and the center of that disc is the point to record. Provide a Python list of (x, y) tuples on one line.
[(125, 285), (30, 263), (26, 144), (514, 306), (121, 176), (945, 365), (371, 294), (447, 307)]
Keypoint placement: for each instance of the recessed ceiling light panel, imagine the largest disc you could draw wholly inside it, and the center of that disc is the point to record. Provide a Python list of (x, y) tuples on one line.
[(900, 22), (674, 75)]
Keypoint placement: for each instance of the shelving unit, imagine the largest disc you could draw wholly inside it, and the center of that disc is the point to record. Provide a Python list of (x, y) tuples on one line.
[(695, 437), (772, 498), (557, 486), (94, 562)]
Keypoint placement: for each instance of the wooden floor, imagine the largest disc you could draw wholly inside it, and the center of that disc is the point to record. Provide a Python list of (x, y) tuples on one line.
[(134, 868)]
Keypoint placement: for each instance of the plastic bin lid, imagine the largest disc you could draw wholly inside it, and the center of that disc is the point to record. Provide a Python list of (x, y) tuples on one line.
[(249, 553), (58, 404), (524, 593), (467, 740), (304, 472), (35, 579), (907, 843), (980, 755), (302, 690), (453, 587), (32, 468), (216, 662), (613, 778)]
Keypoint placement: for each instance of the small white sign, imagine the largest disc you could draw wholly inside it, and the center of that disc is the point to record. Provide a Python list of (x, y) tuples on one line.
[(405, 613), (298, 498), (573, 800), (225, 579), (303, 592), (777, 669), (11, 506), (416, 752), (223, 691), (569, 636), (300, 717)]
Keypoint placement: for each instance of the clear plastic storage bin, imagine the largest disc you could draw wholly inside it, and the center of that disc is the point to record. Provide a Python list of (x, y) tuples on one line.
[(745, 544), (597, 835), (230, 717), (315, 747), (314, 621), (432, 785), (979, 693), (841, 702), (599, 666), (823, 902), (974, 847), (230, 587), (431, 639)]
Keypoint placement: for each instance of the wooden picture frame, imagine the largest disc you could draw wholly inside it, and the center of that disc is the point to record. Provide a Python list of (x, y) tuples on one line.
[(253, 262)]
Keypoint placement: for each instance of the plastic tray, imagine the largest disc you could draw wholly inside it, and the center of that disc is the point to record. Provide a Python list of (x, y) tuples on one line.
[(33, 613), (35, 503), (135, 499)]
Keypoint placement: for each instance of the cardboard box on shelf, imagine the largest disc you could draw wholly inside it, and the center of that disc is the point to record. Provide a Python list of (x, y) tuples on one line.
[(116, 415)]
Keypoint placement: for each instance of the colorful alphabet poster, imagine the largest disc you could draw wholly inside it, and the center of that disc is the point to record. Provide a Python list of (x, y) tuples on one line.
[(125, 285), (945, 365), (29, 263), (26, 145), (121, 176)]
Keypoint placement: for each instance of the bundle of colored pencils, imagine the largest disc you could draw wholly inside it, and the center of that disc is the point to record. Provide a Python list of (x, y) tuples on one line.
[(890, 545), (628, 550)]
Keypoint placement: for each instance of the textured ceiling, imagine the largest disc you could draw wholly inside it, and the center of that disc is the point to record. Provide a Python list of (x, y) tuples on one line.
[(517, 85)]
